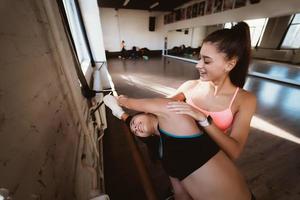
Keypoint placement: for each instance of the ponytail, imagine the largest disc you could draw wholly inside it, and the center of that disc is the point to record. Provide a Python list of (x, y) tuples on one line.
[(239, 72), (234, 42)]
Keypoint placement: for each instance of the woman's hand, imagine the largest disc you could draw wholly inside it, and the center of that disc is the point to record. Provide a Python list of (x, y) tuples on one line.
[(121, 99), (186, 109)]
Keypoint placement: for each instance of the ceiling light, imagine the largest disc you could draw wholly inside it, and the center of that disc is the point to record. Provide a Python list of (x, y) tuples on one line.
[(154, 5), (126, 2)]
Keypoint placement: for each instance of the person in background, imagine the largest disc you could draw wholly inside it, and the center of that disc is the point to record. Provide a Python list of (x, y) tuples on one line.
[(134, 52), (123, 50)]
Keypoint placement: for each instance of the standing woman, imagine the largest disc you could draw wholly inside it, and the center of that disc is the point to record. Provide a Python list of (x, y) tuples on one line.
[(218, 96), (123, 50)]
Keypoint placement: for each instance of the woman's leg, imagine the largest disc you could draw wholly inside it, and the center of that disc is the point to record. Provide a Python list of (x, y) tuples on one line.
[(179, 192), (123, 51), (217, 179)]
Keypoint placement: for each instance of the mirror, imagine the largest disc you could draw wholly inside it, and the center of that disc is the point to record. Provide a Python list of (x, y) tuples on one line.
[(276, 39)]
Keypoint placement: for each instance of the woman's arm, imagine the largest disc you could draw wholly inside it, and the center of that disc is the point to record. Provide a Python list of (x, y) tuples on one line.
[(232, 144), (154, 105)]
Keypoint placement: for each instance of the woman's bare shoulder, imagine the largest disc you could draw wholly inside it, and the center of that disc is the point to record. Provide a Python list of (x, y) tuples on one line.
[(246, 94), (247, 98), (192, 82), (189, 84)]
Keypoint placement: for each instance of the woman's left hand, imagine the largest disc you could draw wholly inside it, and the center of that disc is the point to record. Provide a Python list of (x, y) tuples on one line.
[(186, 109)]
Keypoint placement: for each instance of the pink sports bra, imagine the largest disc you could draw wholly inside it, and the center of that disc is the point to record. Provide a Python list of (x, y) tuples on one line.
[(222, 119)]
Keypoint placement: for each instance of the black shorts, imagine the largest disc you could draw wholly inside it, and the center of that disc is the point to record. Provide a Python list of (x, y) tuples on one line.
[(182, 155)]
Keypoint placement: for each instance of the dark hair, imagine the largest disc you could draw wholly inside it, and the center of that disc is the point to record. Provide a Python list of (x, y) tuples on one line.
[(234, 42), (130, 117)]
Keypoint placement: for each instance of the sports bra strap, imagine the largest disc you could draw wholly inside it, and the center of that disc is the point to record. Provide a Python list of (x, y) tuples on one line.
[(235, 93)]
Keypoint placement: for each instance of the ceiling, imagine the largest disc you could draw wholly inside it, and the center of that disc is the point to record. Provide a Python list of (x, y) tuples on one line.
[(164, 5)]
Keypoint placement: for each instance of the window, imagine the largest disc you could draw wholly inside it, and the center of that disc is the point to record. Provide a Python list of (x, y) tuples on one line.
[(77, 34), (292, 37), (257, 28)]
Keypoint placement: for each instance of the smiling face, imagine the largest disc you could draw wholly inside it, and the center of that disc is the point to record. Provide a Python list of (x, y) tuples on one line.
[(143, 125), (213, 65)]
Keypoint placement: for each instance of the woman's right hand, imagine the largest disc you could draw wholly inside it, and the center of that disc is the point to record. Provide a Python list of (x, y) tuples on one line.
[(185, 109)]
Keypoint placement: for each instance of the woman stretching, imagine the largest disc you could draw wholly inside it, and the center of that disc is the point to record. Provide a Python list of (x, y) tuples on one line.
[(219, 94), (189, 156)]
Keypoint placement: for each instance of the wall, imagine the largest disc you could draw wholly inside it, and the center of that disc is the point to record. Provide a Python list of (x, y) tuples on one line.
[(178, 38), (132, 26), (41, 109), (296, 56), (199, 34), (192, 39)]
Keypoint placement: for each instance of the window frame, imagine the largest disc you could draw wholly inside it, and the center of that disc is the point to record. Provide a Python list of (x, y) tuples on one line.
[(280, 46)]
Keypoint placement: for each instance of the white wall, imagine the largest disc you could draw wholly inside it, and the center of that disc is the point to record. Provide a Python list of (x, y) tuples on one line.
[(132, 26), (176, 38), (90, 15), (199, 34), (193, 38)]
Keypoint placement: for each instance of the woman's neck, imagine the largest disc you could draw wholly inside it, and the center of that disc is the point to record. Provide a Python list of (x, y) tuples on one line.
[(222, 85)]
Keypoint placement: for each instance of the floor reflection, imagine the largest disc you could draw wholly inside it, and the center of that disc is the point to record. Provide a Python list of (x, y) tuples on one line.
[(269, 128), (276, 69)]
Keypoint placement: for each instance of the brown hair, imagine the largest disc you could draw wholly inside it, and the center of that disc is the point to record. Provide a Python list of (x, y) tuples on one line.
[(234, 42)]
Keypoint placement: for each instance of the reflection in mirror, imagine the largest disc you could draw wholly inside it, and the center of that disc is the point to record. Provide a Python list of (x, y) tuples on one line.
[(185, 42), (274, 39)]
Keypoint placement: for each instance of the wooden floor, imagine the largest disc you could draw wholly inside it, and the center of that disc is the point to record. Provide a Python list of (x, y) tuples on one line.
[(277, 70), (271, 159)]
